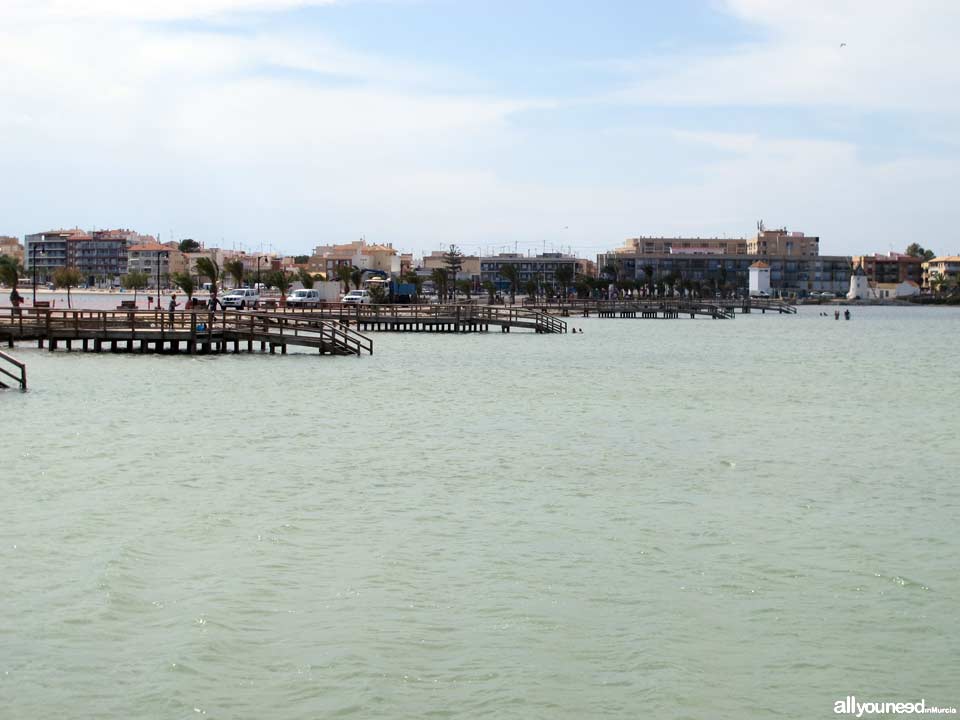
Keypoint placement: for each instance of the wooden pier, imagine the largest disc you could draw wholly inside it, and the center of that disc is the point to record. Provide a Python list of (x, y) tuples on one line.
[(665, 308), (194, 331), (459, 318)]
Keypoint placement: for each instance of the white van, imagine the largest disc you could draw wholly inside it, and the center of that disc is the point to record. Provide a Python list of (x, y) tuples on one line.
[(306, 297)]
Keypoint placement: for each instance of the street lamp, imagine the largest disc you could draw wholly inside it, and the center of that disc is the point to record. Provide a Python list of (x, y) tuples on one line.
[(160, 254), (259, 258), (33, 262)]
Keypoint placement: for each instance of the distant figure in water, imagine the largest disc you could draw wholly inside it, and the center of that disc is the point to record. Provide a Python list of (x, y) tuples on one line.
[(836, 314), (846, 314)]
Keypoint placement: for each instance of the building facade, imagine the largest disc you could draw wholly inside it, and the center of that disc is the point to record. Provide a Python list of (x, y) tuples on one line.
[(100, 256), (790, 275), (157, 261), (891, 268), (541, 269), (11, 247), (946, 267), (782, 243)]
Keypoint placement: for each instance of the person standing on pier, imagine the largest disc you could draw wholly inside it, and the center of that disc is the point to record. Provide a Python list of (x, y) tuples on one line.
[(173, 307), (16, 299)]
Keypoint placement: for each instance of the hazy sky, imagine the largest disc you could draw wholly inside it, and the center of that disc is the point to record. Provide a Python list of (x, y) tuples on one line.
[(487, 123)]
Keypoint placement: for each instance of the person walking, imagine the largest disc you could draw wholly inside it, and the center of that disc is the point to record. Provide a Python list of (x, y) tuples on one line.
[(172, 307)]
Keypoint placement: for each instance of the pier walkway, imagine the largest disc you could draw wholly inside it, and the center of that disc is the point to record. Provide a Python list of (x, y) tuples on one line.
[(669, 308), (193, 331), (453, 318)]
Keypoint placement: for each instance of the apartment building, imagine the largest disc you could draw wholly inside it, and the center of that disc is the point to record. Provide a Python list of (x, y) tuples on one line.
[(11, 247), (99, 255), (891, 268)]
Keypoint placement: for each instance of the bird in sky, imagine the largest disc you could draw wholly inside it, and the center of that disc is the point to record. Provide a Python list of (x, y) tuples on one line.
[(843, 44)]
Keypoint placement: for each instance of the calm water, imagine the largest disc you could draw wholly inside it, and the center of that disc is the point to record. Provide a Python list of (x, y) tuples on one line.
[(685, 519)]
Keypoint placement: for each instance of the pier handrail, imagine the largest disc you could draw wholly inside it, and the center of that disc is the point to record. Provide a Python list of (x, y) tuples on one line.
[(20, 377)]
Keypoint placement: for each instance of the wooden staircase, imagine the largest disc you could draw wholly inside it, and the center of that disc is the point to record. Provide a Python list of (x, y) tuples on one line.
[(12, 371)]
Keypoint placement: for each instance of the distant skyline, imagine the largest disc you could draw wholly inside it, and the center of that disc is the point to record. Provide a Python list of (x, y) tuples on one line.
[(531, 124)]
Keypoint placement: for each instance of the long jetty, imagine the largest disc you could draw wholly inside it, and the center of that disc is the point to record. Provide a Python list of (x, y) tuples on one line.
[(192, 331), (436, 318), (665, 308)]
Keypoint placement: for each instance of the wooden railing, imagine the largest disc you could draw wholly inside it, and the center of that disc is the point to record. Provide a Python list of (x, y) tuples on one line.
[(202, 325), (13, 369), (503, 314)]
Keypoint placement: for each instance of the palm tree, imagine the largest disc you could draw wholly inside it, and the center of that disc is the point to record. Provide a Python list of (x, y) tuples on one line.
[(491, 291), (531, 288), (207, 267), (439, 277), (306, 279), (9, 272), (356, 277), (648, 271), (67, 277), (509, 272), (344, 273), (564, 275), (417, 281), (136, 280), (465, 286), (938, 282), (185, 282), (280, 280), (235, 269)]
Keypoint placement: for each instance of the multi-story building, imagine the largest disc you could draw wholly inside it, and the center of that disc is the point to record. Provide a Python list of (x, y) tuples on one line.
[(11, 247), (694, 246), (947, 267), (783, 244), (469, 265), (891, 268), (157, 261), (358, 254), (795, 267), (542, 268), (100, 255)]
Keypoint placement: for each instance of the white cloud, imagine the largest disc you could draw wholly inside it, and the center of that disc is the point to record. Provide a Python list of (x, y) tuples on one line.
[(896, 55), (149, 10)]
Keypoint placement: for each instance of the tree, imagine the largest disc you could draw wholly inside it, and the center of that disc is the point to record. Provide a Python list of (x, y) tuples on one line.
[(235, 269), (344, 272), (281, 281), (378, 293), (301, 259), (648, 271), (417, 281), (465, 286), (9, 271), (917, 250), (188, 245), (509, 272), (564, 275), (453, 261), (356, 277), (67, 277), (938, 282), (531, 288), (306, 279), (185, 282), (491, 291), (439, 277), (207, 267), (136, 280)]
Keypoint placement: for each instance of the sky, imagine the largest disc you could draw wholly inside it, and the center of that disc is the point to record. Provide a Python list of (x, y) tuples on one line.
[(492, 124)]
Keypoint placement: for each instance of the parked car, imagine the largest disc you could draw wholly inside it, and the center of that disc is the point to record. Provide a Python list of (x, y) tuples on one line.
[(304, 298), (241, 298), (827, 295), (357, 297)]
